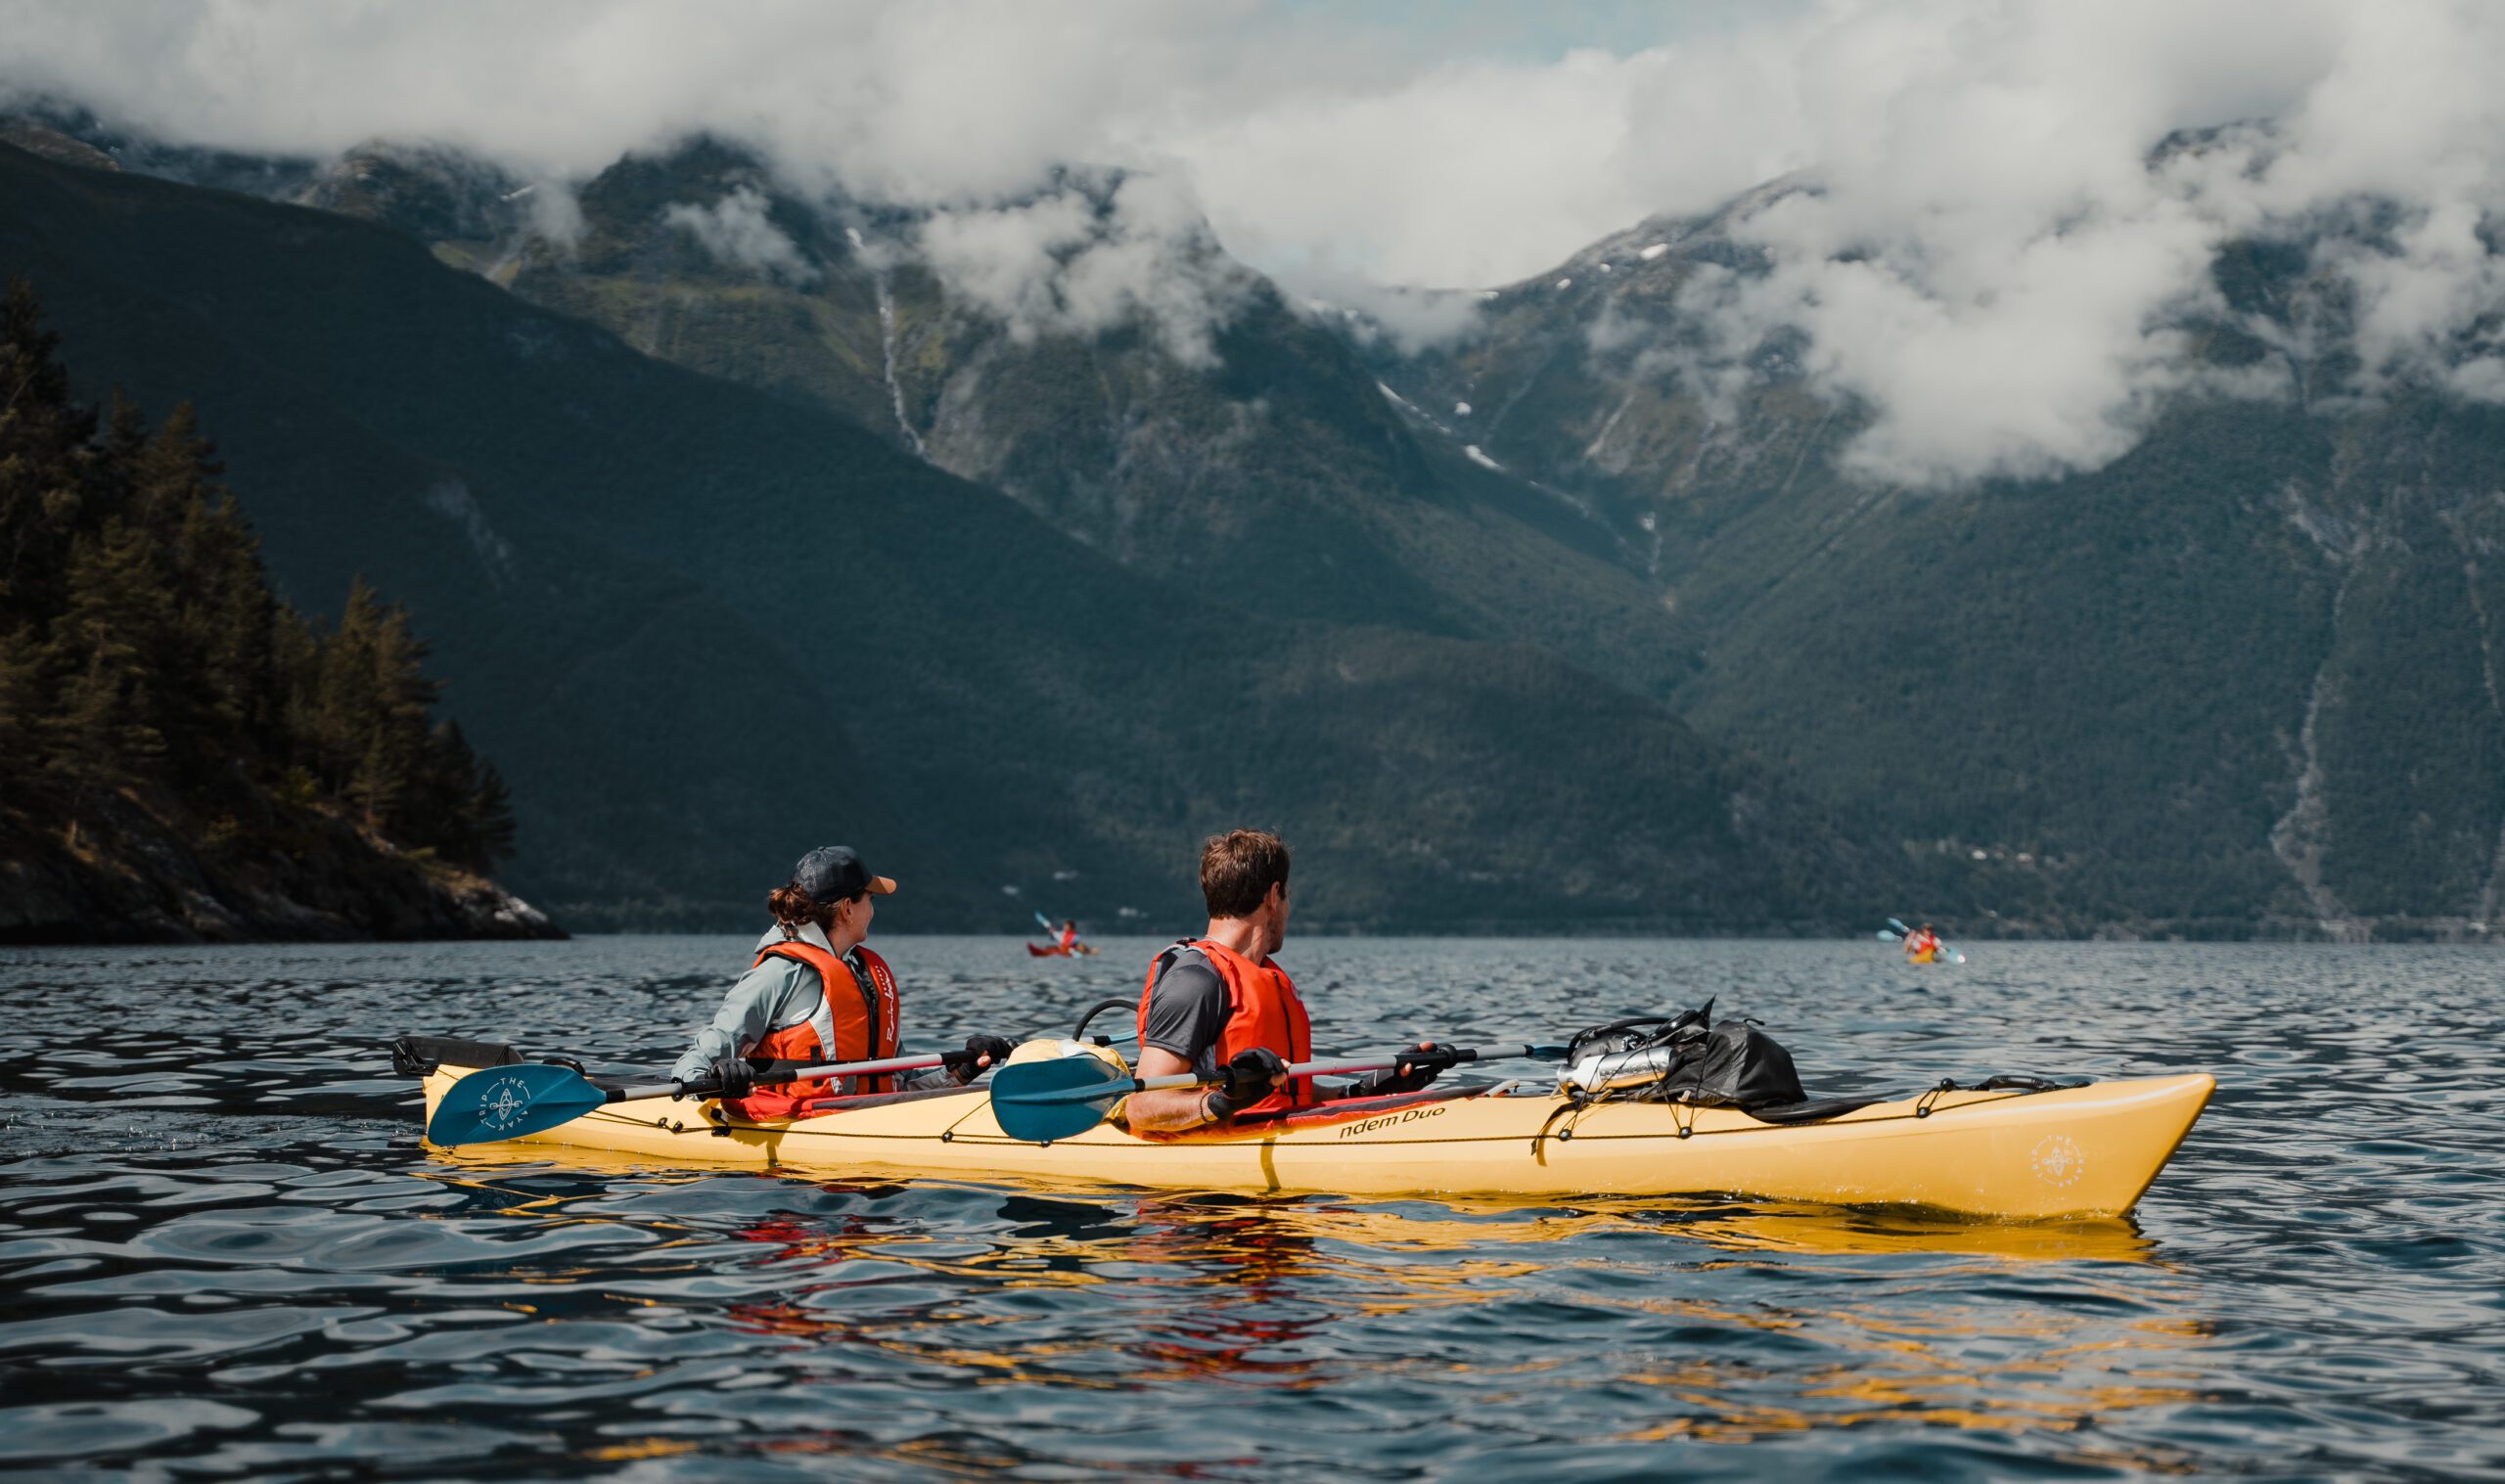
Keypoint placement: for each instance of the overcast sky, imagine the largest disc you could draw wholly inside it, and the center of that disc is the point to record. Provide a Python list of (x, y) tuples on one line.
[(1991, 263)]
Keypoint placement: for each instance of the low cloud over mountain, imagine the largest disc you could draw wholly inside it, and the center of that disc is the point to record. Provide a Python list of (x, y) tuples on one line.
[(2008, 215)]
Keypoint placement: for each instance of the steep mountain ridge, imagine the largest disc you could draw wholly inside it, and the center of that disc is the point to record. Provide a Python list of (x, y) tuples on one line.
[(703, 626), (1273, 474), (2240, 676)]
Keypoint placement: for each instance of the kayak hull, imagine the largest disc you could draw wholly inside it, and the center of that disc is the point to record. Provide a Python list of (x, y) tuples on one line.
[(2072, 1153)]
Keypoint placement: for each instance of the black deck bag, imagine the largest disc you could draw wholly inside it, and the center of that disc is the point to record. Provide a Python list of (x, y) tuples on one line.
[(1734, 1064), (1688, 1058)]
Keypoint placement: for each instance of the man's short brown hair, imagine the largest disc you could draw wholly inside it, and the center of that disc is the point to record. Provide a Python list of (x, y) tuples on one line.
[(1238, 870)]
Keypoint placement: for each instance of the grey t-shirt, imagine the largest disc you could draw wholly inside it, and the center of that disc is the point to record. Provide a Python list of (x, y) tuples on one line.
[(1186, 1011)]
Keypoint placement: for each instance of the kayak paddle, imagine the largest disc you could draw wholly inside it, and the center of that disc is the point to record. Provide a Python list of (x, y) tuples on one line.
[(1039, 1101), (514, 1102)]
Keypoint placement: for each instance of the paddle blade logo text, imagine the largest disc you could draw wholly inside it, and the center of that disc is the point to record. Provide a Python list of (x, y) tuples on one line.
[(502, 1104)]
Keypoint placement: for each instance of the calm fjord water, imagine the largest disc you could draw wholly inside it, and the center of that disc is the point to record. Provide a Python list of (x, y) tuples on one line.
[(223, 1251)]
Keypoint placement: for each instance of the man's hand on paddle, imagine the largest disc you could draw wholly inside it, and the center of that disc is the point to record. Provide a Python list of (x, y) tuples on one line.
[(1254, 1075), (1412, 1074)]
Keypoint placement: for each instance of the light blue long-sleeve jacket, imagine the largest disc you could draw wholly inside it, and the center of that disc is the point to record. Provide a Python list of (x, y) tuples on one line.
[(776, 995)]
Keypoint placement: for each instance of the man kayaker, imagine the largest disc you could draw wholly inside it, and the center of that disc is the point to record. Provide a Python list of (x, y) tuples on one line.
[(817, 994), (1219, 1008), (1068, 941), (1922, 945)]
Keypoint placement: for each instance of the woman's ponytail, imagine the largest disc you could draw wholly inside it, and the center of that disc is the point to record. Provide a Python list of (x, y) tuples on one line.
[(793, 907)]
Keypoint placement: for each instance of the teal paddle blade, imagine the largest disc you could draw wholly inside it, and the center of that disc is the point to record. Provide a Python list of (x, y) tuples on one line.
[(1039, 1101), (511, 1101)]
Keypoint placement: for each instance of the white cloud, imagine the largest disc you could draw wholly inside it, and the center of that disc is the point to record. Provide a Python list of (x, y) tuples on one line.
[(738, 229), (1060, 263), (554, 214), (1989, 261), (2001, 233)]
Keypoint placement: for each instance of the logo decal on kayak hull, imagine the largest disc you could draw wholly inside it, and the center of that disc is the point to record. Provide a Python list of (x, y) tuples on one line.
[(2060, 1162)]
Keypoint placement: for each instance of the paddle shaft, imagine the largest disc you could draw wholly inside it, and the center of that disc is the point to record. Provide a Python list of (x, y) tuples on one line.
[(791, 1071), (1453, 1056)]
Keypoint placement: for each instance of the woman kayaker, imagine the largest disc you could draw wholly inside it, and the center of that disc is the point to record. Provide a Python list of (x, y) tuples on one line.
[(817, 994)]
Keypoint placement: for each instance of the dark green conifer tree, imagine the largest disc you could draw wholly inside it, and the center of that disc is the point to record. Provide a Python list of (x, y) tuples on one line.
[(44, 460), (142, 648)]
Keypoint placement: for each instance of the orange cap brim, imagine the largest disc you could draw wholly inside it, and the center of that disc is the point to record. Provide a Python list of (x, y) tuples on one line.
[(881, 885)]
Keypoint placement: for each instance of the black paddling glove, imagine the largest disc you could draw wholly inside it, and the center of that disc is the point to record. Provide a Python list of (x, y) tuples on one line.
[(729, 1077), (1414, 1073), (1254, 1075), (967, 1064)]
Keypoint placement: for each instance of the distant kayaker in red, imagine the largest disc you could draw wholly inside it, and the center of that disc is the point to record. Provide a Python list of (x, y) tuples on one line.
[(815, 992), (1922, 945), (1218, 1007)]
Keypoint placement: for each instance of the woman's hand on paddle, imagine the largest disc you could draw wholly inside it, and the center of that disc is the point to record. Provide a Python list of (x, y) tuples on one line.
[(729, 1077), (980, 1052)]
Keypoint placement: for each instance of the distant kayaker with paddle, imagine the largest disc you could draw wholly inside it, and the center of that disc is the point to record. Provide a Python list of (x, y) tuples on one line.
[(817, 994), (1922, 945), (1218, 1007)]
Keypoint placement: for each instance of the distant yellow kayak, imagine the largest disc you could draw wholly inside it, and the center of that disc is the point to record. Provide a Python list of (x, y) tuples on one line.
[(2069, 1153)]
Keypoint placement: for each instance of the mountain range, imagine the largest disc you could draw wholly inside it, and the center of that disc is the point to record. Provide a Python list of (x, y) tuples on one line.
[(2240, 678), (703, 625), (2246, 674)]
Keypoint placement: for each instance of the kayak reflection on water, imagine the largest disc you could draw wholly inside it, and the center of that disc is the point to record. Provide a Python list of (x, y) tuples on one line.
[(1019, 1283)]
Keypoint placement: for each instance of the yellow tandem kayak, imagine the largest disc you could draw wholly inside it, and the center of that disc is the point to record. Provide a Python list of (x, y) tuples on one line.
[(2069, 1153)]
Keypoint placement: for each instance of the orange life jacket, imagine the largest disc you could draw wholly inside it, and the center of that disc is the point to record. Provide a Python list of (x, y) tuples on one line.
[(856, 1021), (1921, 943), (1068, 936), (1261, 1010)]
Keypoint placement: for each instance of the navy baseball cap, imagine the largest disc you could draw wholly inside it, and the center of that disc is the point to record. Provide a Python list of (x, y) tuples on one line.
[(832, 874)]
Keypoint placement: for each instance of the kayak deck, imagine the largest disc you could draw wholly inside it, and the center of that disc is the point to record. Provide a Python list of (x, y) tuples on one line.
[(2074, 1152)]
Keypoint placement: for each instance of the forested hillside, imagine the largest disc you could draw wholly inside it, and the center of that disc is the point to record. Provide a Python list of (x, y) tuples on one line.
[(181, 753)]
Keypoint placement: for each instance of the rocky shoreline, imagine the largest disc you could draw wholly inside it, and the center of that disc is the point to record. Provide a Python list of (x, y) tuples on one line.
[(135, 876)]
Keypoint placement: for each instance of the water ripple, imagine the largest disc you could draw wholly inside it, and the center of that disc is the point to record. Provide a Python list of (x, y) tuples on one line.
[(225, 1253)]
